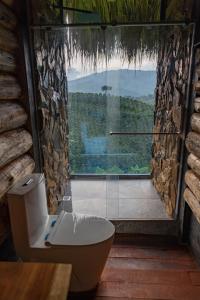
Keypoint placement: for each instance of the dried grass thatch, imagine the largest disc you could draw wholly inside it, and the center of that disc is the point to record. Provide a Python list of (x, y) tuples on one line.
[(92, 44)]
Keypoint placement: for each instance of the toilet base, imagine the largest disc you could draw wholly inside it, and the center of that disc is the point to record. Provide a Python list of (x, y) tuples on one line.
[(87, 262)]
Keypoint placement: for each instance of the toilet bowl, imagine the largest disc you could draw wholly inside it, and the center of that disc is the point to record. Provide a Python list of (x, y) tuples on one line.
[(81, 240)]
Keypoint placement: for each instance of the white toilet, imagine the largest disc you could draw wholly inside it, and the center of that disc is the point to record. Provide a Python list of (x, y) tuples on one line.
[(81, 240)]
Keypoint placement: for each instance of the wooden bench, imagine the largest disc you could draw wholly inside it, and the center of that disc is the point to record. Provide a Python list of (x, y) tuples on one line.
[(31, 281)]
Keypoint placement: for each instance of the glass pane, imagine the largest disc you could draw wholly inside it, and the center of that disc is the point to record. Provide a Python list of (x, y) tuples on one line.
[(94, 151), (110, 93), (112, 196)]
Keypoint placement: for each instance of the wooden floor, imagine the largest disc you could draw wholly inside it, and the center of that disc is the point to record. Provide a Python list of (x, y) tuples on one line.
[(149, 269)]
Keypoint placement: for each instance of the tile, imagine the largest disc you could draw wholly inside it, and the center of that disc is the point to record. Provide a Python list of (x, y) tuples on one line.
[(137, 189), (88, 189), (117, 199), (90, 206), (112, 208), (141, 209)]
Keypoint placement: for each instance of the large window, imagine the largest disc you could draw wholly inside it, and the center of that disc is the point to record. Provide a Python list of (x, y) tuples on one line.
[(115, 96)]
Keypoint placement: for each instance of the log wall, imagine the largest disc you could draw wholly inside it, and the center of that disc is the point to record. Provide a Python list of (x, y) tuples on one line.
[(192, 176), (15, 140), (172, 76)]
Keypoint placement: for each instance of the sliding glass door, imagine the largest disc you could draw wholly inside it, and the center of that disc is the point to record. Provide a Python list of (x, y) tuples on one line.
[(111, 118), (108, 100)]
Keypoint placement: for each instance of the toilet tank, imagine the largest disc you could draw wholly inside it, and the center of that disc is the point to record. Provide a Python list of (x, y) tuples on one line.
[(28, 210)]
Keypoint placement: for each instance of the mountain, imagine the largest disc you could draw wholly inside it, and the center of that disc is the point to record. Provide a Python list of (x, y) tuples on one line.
[(72, 74), (126, 83)]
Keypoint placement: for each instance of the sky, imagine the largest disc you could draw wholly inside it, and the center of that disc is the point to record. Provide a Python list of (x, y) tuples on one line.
[(78, 70)]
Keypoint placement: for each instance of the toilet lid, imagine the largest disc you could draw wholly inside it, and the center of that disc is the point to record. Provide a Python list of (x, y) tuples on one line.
[(79, 229)]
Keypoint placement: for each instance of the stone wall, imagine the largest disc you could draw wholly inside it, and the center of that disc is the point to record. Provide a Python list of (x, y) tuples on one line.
[(52, 103), (172, 76), (15, 140)]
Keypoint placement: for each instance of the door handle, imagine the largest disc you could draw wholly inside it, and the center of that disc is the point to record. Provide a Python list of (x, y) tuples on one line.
[(143, 133)]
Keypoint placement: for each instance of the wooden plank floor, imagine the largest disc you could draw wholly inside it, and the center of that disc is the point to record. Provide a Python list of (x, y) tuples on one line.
[(157, 271)]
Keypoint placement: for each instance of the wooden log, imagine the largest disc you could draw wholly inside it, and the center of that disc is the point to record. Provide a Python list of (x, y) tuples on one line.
[(193, 182), (7, 17), (10, 88), (197, 104), (197, 70), (9, 3), (193, 143), (7, 62), (194, 163), (8, 40), (12, 115), (197, 87), (13, 144), (192, 202), (15, 171), (195, 122)]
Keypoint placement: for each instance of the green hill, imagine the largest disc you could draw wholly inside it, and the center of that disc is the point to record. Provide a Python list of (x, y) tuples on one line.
[(126, 83), (93, 149)]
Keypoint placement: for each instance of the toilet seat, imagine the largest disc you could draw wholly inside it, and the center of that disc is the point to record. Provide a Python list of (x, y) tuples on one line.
[(73, 229)]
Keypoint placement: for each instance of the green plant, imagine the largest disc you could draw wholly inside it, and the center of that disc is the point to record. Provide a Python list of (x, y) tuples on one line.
[(114, 170), (100, 171)]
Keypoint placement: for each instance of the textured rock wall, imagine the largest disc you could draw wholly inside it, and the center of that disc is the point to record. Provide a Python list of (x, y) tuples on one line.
[(172, 76), (52, 102)]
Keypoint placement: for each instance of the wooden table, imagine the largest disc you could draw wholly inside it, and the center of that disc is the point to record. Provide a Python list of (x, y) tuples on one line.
[(34, 281)]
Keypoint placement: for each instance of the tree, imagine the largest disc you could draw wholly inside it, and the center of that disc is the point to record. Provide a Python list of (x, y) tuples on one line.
[(106, 88)]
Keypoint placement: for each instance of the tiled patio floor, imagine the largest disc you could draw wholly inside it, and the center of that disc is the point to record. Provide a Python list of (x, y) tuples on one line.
[(117, 199)]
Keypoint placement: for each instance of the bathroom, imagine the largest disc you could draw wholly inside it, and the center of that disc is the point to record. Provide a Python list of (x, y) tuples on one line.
[(121, 166)]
